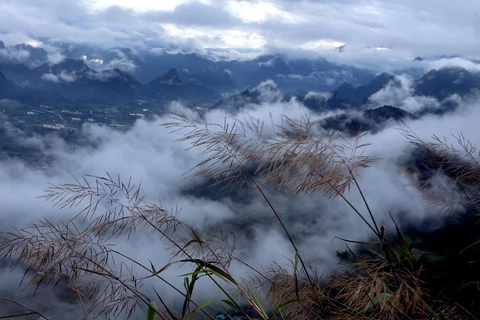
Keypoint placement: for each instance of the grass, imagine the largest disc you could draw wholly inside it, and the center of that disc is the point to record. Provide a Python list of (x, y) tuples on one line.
[(382, 279)]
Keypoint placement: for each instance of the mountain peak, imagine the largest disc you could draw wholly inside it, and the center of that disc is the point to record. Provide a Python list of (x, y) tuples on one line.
[(443, 82), (345, 86), (67, 65), (2, 77), (268, 86), (72, 63), (170, 77), (226, 76), (358, 95), (2, 45), (340, 49), (382, 78), (446, 74), (345, 90), (38, 52)]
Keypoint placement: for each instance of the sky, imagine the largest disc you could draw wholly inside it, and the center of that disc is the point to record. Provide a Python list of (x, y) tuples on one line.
[(388, 30)]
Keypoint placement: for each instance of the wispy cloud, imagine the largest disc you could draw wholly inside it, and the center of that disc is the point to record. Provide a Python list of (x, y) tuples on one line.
[(406, 29)]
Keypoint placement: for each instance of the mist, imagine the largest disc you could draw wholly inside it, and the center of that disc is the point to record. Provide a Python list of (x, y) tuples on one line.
[(152, 156)]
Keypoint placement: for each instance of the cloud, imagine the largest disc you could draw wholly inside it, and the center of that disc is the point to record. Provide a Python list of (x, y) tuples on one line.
[(55, 57), (403, 29), (63, 76), (458, 62), (138, 6), (104, 75), (15, 55), (67, 77), (194, 14), (151, 155), (323, 96), (400, 93), (50, 77), (126, 65)]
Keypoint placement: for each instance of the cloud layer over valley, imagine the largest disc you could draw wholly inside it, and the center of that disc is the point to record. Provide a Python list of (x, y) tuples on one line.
[(87, 86), (149, 154)]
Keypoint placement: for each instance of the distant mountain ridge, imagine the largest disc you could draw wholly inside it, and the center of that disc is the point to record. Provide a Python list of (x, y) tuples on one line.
[(356, 112), (118, 75), (361, 93), (252, 96), (372, 120), (345, 97), (444, 82), (73, 79), (291, 75), (4, 86), (170, 86), (23, 53)]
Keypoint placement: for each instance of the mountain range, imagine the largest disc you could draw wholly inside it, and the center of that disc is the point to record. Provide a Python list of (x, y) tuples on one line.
[(355, 111), (201, 76), (120, 76), (291, 75), (74, 80)]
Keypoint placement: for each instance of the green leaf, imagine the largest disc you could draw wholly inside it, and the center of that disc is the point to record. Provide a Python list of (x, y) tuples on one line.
[(172, 315), (190, 285), (232, 305), (18, 315), (157, 272), (151, 312), (212, 267), (404, 247), (359, 242), (153, 267), (258, 304), (200, 308), (382, 296), (280, 306), (295, 278)]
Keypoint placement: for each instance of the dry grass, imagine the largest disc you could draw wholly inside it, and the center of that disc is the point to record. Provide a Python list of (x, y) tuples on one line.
[(456, 164), (377, 290), (292, 157)]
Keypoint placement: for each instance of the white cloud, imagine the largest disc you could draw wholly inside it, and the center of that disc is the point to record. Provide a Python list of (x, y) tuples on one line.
[(318, 95), (14, 55), (240, 39), (408, 29), (321, 45), (50, 77), (63, 76), (150, 155), (216, 38), (67, 77), (452, 62), (260, 11), (138, 5)]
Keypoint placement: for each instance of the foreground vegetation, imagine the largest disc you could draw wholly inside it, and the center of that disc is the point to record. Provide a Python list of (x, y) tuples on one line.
[(409, 273)]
